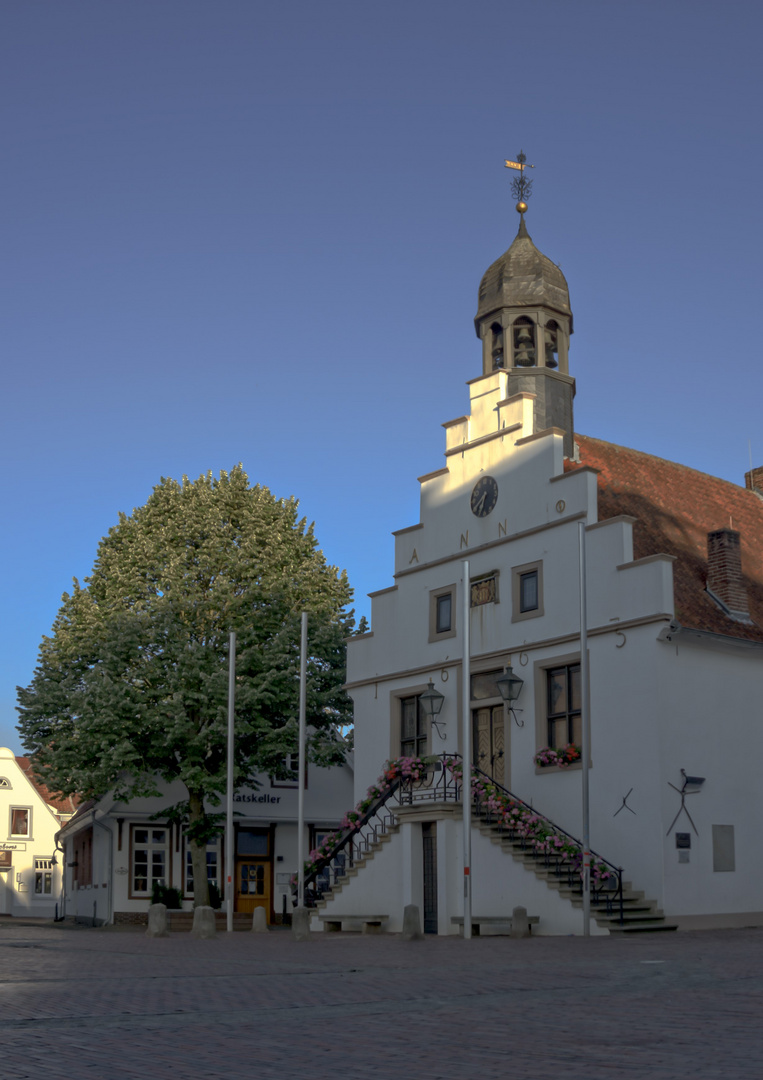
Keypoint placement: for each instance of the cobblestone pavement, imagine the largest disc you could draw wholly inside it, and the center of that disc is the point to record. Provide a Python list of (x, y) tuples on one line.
[(119, 1006)]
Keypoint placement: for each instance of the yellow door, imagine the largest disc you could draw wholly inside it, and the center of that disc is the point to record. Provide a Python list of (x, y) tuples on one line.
[(252, 886)]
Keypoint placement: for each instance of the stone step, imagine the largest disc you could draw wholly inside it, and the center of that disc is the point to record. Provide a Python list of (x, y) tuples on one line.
[(639, 914), (655, 927)]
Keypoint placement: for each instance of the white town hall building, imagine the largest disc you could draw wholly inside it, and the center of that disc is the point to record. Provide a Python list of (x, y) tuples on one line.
[(675, 647)]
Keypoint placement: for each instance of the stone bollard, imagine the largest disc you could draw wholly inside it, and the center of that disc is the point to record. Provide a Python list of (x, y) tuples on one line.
[(157, 921), (300, 924), (412, 923), (259, 921), (203, 923), (520, 926)]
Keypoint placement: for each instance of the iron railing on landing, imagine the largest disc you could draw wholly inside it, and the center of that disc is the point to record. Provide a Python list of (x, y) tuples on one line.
[(547, 843)]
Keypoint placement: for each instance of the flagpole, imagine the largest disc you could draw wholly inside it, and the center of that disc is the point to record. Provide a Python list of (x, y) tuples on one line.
[(229, 785), (466, 757), (585, 732), (301, 764)]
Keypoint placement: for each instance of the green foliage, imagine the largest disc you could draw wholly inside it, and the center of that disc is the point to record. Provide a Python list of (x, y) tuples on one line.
[(165, 894), (132, 684)]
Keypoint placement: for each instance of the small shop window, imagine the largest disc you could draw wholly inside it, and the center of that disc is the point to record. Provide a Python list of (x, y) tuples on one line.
[(21, 821), (253, 842), (43, 877), (212, 867)]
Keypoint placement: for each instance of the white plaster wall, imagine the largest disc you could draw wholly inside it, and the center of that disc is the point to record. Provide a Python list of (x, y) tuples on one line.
[(500, 883), (712, 728), (378, 888), (18, 896)]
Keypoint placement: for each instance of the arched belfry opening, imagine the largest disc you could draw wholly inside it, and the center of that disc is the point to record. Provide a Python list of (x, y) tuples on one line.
[(524, 322), (524, 342)]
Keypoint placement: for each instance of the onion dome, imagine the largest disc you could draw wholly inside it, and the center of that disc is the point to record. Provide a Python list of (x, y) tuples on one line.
[(523, 277)]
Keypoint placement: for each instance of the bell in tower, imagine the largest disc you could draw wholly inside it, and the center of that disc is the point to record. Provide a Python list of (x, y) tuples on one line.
[(524, 321)]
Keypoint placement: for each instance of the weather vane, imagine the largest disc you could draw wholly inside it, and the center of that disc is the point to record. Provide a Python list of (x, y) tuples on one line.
[(521, 187)]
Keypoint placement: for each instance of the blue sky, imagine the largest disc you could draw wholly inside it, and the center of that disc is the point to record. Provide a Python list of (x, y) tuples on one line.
[(238, 231)]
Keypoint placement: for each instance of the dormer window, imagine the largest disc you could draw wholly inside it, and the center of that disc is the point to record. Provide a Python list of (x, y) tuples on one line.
[(524, 342), (497, 351), (551, 343)]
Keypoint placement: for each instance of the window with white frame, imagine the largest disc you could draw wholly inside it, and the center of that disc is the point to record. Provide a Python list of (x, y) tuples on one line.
[(43, 877), (289, 774), (212, 867), (150, 854), (21, 821)]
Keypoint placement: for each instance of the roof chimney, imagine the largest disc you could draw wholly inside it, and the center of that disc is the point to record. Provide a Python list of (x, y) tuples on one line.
[(753, 480), (725, 582)]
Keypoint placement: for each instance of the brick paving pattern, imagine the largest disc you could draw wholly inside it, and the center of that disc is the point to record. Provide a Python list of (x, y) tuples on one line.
[(109, 1003)]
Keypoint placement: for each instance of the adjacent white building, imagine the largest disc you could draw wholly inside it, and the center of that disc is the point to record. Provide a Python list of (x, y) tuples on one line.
[(675, 649), (116, 852), (30, 865)]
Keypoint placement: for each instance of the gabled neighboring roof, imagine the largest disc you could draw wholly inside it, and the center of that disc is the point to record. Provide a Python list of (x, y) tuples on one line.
[(675, 508), (59, 806)]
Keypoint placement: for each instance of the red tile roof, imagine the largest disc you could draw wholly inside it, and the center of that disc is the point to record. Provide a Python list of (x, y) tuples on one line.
[(60, 806), (675, 508)]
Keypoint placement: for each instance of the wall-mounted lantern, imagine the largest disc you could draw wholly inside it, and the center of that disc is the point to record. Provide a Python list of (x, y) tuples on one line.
[(430, 703), (510, 687)]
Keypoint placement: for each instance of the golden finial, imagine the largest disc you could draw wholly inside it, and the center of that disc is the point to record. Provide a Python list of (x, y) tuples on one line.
[(521, 187)]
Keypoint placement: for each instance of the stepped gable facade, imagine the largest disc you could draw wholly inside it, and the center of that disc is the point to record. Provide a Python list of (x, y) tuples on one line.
[(674, 597)]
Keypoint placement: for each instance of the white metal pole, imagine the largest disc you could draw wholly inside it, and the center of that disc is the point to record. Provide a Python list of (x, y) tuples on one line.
[(466, 757), (301, 764), (229, 785), (585, 739)]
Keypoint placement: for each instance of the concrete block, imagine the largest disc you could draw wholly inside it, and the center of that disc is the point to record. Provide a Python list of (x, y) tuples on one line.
[(203, 923), (157, 921), (259, 921), (520, 924), (300, 924), (412, 923)]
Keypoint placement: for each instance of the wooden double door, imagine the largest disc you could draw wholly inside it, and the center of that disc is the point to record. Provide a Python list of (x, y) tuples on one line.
[(254, 869), (252, 885), (489, 741)]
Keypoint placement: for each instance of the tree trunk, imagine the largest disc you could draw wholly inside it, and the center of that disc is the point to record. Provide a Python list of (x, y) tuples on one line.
[(198, 853)]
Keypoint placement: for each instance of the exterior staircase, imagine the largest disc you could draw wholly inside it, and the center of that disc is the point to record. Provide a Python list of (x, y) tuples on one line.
[(639, 915), (376, 845), (553, 855)]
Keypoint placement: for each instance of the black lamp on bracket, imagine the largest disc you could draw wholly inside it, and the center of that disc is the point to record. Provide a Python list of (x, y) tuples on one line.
[(430, 703), (510, 687)]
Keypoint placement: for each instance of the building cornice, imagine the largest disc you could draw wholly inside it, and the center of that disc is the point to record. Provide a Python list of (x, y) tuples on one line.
[(688, 635), (483, 547), (519, 648)]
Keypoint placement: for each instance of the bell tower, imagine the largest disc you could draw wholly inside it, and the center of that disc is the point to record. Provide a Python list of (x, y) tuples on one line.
[(524, 322)]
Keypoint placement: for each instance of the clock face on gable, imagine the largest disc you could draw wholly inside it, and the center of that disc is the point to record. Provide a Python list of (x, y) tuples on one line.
[(484, 496)]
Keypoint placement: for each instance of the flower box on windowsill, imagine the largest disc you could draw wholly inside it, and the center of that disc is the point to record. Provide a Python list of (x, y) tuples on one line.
[(563, 758)]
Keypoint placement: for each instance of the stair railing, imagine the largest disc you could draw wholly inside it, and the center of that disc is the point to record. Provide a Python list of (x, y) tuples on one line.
[(441, 781), (349, 845), (548, 843)]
